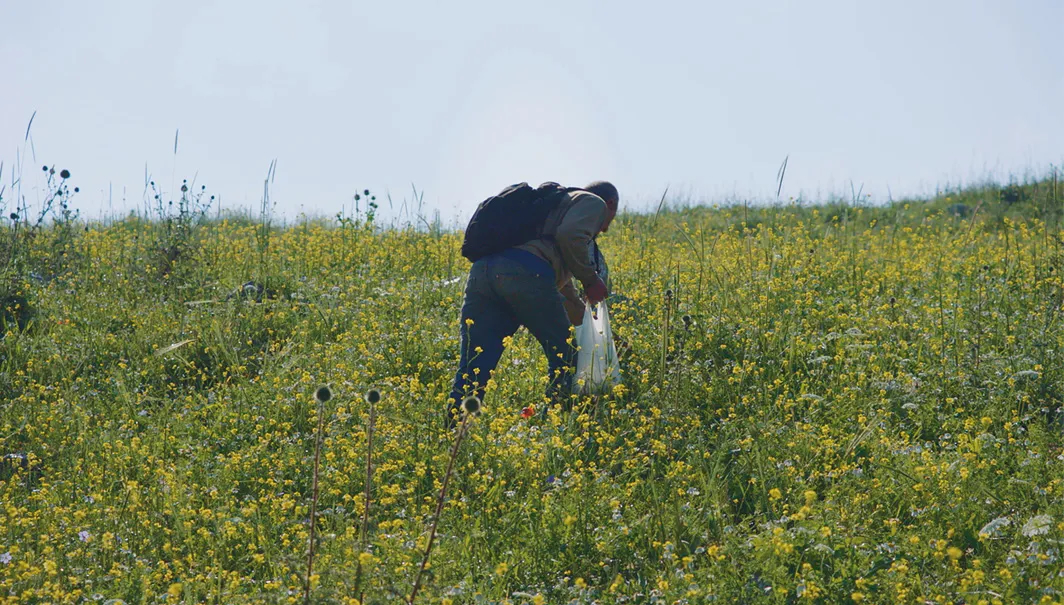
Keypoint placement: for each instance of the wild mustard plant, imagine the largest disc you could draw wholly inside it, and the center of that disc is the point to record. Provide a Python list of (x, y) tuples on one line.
[(837, 403)]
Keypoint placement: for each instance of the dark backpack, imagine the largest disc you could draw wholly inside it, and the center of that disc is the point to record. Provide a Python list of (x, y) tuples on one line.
[(511, 218)]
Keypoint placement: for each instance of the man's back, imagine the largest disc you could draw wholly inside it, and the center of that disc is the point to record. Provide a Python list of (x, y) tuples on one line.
[(568, 232)]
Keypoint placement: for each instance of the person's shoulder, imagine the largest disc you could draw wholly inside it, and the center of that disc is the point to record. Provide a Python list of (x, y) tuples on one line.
[(580, 196)]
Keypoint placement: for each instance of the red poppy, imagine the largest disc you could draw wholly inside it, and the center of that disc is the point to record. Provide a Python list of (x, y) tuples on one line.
[(527, 412)]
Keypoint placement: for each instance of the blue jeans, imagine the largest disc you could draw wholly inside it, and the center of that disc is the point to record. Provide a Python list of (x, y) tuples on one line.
[(505, 291)]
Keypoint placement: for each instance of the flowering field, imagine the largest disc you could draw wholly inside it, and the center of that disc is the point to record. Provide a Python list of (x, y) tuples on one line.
[(825, 405)]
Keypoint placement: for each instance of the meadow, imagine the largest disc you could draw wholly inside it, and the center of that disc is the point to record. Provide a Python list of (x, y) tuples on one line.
[(838, 403)]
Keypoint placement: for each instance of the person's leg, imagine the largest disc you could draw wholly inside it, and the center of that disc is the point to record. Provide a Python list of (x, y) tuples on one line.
[(537, 305), (485, 322)]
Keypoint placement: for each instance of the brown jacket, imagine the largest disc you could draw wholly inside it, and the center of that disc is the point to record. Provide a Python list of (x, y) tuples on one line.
[(566, 245)]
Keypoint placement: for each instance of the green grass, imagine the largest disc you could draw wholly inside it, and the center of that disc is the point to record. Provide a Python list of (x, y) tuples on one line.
[(853, 404)]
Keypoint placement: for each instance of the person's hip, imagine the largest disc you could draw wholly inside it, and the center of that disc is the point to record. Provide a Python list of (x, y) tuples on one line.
[(514, 263)]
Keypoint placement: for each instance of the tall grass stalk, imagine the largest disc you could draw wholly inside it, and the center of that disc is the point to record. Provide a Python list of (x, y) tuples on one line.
[(665, 333)]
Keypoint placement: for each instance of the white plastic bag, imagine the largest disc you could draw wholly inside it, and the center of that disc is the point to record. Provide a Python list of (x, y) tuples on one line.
[(597, 370)]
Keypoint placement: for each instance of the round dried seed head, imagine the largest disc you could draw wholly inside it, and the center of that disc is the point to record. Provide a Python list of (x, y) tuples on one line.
[(323, 394), (373, 396), (471, 405)]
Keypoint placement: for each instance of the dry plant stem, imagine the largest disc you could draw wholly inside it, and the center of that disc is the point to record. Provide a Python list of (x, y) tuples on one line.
[(369, 472), (439, 507), (314, 502), (365, 509)]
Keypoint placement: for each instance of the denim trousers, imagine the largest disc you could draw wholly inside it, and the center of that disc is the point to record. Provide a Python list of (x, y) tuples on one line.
[(506, 291)]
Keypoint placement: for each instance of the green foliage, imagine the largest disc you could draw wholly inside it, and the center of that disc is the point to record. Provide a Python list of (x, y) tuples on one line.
[(177, 224), (35, 244), (834, 404)]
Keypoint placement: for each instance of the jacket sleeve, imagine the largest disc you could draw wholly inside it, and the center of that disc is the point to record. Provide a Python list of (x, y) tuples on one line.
[(580, 224), (574, 305)]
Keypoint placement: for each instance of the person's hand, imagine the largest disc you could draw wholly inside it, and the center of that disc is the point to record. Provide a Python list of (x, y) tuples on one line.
[(596, 292)]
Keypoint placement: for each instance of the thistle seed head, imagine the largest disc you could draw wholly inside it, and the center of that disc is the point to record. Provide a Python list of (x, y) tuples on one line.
[(471, 405)]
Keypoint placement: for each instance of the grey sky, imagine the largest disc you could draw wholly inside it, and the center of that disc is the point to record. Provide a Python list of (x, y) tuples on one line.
[(463, 98)]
